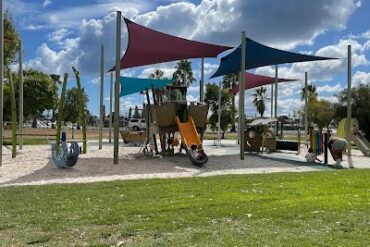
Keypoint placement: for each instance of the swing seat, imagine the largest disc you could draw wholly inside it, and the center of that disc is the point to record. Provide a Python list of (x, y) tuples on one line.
[(65, 158)]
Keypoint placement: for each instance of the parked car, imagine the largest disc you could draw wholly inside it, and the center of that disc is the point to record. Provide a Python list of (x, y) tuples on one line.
[(136, 124)]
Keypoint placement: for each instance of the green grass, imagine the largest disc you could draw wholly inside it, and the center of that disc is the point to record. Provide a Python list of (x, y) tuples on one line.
[(329, 208)]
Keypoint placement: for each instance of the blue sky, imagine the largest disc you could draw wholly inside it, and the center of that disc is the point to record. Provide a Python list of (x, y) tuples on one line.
[(60, 33)]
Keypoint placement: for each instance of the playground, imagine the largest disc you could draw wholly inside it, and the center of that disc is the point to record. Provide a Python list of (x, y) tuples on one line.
[(34, 167)]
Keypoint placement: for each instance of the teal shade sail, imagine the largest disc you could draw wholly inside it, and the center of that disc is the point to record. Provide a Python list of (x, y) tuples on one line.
[(131, 85)]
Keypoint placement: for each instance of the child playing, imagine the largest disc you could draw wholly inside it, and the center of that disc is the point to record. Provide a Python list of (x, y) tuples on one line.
[(311, 156)]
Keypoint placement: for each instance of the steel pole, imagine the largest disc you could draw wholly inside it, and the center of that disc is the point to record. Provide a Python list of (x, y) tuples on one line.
[(201, 86), (117, 88), (276, 98), (305, 106), (20, 96), (101, 115), (349, 97), (1, 81), (241, 95), (110, 107), (219, 114)]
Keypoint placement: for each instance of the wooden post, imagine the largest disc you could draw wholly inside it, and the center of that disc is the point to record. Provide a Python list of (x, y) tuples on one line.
[(241, 95), (110, 108), (14, 115), (349, 97), (101, 117), (201, 86), (117, 87), (20, 96), (1, 81)]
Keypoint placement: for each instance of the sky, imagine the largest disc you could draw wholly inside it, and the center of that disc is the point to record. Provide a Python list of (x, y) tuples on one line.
[(60, 33)]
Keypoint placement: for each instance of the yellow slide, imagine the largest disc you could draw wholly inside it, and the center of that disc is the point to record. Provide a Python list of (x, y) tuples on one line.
[(191, 141)]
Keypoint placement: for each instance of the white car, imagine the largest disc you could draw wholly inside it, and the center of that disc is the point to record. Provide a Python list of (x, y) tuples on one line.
[(136, 124)]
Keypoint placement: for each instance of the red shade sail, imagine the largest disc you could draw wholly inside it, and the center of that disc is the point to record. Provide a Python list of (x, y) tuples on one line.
[(253, 80), (146, 46)]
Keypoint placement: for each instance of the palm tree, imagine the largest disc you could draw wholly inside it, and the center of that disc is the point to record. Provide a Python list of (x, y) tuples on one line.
[(228, 82), (259, 98), (157, 74), (311, 90), (184, 74)]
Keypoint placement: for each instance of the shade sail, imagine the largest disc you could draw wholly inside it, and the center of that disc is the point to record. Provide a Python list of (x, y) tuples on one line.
[(253, 80), (258, 55), (135, 85), (146, 46)]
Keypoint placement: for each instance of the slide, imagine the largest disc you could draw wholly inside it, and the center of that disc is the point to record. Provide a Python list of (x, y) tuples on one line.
[(362, 143), (191, 142)]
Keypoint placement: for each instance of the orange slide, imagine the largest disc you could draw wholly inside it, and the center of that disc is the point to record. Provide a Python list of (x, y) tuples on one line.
[(191, 141)]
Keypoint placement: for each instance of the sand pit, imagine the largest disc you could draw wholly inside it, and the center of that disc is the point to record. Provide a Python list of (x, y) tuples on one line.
[(33, 165)]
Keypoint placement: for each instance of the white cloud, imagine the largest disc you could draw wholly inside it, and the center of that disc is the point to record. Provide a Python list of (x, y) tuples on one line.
[(46, 3), (361, 77), (59, 35), (330, 89)]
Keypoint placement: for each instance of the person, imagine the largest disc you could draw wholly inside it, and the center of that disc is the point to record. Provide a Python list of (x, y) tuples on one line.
[(337, 146), (311, 156)]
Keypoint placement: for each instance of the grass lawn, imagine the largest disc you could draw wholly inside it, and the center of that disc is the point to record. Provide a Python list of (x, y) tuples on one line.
[(330, 208)]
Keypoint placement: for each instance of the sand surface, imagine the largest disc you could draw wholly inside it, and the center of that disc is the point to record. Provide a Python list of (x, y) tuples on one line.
[(33, 165)]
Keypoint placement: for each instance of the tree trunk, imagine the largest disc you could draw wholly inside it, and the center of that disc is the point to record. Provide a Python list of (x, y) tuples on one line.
[(34, 122)]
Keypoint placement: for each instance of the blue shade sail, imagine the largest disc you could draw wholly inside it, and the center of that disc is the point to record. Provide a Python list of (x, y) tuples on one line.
[(258, 55), (135, 85)]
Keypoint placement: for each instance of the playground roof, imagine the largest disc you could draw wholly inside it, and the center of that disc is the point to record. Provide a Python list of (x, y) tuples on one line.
[(135, 85), (147, 46), (259, 55), (253, 80)]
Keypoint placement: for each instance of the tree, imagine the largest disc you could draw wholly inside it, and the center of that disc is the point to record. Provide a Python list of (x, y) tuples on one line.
[(136, 112), (40, 94), (211, 97), (321, 112), (228, 82), (360, 106), (11, 39), (183, 74), (157, 74), (72, 104), (259, 98), (311, 90)]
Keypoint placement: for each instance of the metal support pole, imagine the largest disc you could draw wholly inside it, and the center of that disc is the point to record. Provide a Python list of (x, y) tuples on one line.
[(20, 96), (272, 104), (201, 86), (117, 88), (349, 97), (276, 97), (101, 115), (219, 114), (305, 107), (1, 81), (110, 107), (241, 95)]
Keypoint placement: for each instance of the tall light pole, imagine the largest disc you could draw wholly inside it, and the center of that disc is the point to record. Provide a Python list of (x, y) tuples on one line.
[(305, 106), (349, 97), (110, 107)]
